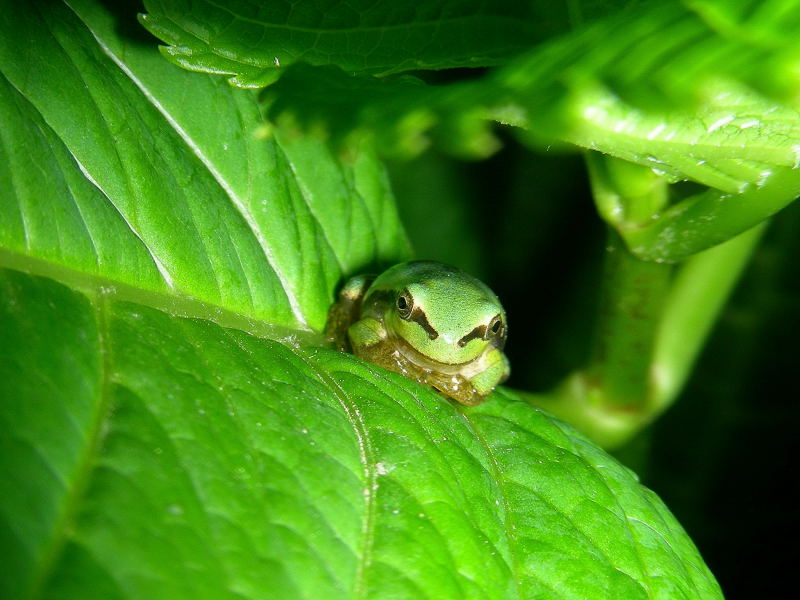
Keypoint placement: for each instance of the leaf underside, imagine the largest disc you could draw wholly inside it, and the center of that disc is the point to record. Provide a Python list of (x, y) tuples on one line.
[(704, 91), (253, 41), (685, 87)]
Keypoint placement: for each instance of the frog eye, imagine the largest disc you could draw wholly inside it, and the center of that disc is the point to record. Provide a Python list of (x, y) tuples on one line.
[(405, 305), (496, 328)]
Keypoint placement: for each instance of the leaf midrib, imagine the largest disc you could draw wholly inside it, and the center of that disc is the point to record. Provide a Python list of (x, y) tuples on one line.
[(368, 463), (94, 286), (507, 526), (379, 28), (86, 464), (218, 177)]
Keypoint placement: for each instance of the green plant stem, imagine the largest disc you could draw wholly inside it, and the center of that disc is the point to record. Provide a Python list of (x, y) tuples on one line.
[(631, 305), (696, 297), (633, 290), (697, 294), (654, 316), (575, 402), (626, 194)]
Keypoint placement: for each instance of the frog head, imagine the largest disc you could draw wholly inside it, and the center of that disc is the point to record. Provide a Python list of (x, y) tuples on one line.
[(440, 312)]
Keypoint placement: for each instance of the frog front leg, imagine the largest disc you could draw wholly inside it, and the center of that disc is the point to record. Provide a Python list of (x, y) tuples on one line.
[(370, 341), (345, 311), (365, 335), (495, 371)]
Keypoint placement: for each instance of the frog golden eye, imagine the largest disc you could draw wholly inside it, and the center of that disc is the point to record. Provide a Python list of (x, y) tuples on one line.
[(495, 328), (405, 305)]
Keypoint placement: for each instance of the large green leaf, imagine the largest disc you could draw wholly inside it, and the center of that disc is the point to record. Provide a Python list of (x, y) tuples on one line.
[(150, 456), (163, 181), (253, 41), (587, 87), (168, 427), (703, 91)]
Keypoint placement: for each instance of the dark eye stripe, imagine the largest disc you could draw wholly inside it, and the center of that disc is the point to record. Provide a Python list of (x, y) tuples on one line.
[(478, 332), (418, 316)]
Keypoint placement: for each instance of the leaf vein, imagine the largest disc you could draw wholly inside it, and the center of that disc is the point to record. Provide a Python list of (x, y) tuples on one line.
[(237, 202)]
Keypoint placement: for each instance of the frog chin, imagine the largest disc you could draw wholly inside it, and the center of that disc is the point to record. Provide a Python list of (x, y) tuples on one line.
[(467, 368)]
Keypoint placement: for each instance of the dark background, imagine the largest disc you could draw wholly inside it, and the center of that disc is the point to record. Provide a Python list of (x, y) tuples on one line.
[(722, 456)]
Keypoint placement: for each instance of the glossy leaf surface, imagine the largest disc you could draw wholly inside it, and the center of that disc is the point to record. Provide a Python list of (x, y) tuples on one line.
[(164, 183), (170, 426), (163, 457)]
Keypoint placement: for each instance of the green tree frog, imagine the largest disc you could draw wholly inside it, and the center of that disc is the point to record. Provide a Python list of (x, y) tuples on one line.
[(428, 321)]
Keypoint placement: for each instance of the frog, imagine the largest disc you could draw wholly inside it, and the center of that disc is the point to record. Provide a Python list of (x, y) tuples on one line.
[(429, 321)]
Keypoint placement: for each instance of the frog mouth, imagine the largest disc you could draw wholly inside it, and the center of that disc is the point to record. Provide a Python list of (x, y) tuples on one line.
[(466, 369)]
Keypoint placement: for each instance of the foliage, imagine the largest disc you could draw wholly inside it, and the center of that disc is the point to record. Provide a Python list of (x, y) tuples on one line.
[(172, 423)]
